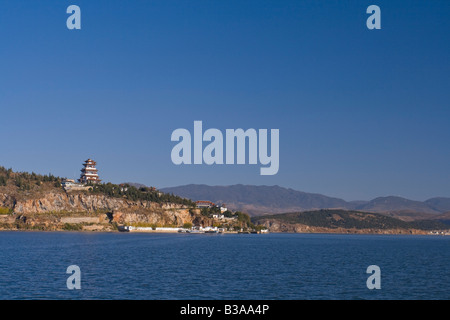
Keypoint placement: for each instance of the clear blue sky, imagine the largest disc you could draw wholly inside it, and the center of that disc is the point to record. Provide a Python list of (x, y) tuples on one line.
[(361, 113)]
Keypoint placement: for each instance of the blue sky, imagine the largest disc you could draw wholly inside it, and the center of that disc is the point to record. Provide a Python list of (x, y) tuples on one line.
[(361, 113)]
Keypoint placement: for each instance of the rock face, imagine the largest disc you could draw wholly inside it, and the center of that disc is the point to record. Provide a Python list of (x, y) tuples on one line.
[(76, 202), (7, 201), (118, 210), (175, 217)]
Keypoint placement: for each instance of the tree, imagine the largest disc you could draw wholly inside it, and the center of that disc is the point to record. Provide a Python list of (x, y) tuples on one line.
[(228, 214), (187, 225)]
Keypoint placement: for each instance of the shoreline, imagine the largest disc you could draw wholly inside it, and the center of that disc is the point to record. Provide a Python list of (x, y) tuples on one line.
[(101, 223), (385, 232)]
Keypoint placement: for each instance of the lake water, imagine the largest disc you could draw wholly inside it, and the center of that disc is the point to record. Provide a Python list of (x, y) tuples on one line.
[(256, 267)]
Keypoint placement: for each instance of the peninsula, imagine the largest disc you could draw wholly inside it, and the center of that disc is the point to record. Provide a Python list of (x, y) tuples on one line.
[(30, 201)]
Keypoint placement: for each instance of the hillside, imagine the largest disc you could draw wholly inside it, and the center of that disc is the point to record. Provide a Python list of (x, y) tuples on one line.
[(343, 221), (25, 186), (440, 204)]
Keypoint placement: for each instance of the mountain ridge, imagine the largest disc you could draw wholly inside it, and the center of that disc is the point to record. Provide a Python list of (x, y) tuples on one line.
[(263, 200)]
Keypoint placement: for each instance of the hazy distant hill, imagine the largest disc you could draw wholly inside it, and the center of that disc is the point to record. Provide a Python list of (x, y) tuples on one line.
[(439, 204), (260, 200), (393, 204)]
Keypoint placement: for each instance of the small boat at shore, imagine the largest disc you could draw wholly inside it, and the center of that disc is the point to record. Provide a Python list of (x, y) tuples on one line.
[(195, 231), (123, 229)]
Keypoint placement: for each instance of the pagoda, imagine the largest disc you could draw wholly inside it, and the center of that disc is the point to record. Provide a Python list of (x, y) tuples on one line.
[(89, 173)]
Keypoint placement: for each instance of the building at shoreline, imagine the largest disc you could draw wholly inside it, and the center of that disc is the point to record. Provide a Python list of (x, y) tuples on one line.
[(89, 173)]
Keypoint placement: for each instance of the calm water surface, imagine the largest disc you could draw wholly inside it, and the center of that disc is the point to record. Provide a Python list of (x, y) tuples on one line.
[(186, 266)]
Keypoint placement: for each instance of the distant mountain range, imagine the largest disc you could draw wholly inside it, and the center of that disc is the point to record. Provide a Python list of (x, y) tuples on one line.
[(338, 220), (262, 200)]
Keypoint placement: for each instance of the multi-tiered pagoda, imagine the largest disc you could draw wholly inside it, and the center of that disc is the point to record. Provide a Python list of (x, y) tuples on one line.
[(89, 173)]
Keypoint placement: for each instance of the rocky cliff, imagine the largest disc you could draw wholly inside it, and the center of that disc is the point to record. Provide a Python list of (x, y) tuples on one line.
[(59, 208)]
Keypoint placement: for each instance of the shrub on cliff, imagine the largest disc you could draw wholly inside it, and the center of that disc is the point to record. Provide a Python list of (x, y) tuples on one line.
[(4, 210), (72, 227)]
